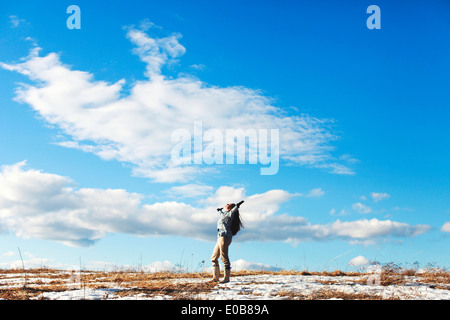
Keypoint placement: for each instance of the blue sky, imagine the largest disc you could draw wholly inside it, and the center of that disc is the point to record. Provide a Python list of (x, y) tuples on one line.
[(86, 118)]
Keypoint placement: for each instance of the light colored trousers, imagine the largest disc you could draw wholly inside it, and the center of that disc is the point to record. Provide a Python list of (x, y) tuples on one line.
[(221, 250)]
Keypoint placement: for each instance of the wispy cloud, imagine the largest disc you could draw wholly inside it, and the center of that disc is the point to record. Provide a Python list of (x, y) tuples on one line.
[(379, 196), (248, 265), (446, 227), (136, 127), (197, 66), (15, 21), (189, 190), (315, 193), (9, 254), (342, 212), (361, 208)]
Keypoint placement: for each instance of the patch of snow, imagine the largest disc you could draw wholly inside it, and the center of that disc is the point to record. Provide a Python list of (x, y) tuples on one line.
[(250, 287)]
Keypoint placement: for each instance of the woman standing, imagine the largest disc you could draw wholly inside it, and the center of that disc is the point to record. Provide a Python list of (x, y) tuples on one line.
[(228, 225)]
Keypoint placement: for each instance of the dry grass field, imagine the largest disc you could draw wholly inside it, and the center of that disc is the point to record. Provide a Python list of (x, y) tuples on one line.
[(393, 283)]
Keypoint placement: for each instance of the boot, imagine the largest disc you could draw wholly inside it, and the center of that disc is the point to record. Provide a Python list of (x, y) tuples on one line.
[(226, 278), (216, 274)]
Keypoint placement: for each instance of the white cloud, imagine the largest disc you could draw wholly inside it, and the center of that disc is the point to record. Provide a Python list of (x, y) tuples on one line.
[(155, 52), (361, 208), (197, 66), (315, 193), (35, 204), (446, 227), (379, 196), (359, 261), (136, 127), (161, 266), (32, 262), (15, 21), (371, 229), (241, 264)]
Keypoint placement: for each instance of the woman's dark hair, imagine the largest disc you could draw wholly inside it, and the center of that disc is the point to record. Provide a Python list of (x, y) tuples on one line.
[(236, 221)]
